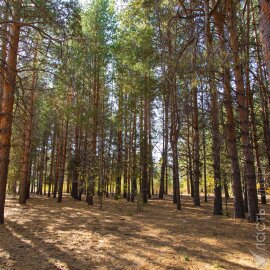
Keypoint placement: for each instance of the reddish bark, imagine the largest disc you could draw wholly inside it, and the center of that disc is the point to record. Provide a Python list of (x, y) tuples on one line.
[(8, 95)]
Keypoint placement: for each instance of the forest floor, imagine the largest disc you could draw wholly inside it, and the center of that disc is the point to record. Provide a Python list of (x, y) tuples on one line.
[(72, 235)]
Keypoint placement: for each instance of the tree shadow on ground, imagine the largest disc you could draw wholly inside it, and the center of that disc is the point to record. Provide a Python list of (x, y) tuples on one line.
[(73, 235)]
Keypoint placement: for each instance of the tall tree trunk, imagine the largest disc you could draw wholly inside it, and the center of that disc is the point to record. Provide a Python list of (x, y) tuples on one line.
[(52, 162), (264, 93), (134, 158), (69, 171), (29, 176), (174, 144), (3, 52), (150, 157), (265, 32), (63, 161), (165, 147), (28, 134), (214, 114), (145, 160), (190, 156), (93, 141), (129, 172), (57, 164), (83, 165), (8, 95), (250, 175), (102, 155), (75, 174), (34, 171), (125, 163), (204, 152), (119, 146), (230, 124), (257, 154), (196, 141), (45, 170), (41, 166)]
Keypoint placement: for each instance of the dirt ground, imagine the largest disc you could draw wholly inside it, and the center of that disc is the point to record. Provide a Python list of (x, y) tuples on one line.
[(71, 235)]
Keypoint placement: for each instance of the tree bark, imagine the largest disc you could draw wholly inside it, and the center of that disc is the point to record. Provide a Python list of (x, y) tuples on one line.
[(214, 114), (63, 161), (119, 146), (230, 123), (145, 147), (126, 161), (8, 95), (165, 147), (3, 52), (57, 164), (250, 175), (204, 153), (75, 174), (264, 93), (174, 144), (190, 156), (196, 141), (52, 162), (134, 158), (265, 32), (28, 133)]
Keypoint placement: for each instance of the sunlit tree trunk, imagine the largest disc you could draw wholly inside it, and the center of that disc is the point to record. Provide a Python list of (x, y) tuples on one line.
[(230, 123), (250, 175), (7, 103), (3, 52)]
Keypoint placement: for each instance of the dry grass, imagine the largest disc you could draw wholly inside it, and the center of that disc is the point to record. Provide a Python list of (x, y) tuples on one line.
[(72, 235)]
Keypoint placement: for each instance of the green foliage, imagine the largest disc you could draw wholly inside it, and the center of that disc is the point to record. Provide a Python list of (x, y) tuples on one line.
[(186, 258)]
